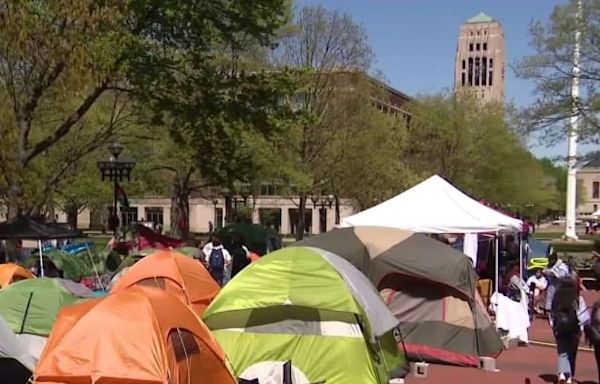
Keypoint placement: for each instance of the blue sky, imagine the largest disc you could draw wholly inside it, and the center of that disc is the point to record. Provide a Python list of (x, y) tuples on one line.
[(414, 41)]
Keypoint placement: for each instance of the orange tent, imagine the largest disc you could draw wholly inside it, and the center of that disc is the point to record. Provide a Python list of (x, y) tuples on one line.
[(138, 336), (9, 273), (174, 273)]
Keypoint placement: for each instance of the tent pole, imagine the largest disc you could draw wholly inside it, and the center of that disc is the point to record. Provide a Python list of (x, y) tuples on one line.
[(41, 258), (87, 248), (521, 255), (497, 272)]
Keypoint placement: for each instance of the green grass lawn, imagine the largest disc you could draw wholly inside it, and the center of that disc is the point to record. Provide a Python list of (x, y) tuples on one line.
[(558, 235), (98, 240)]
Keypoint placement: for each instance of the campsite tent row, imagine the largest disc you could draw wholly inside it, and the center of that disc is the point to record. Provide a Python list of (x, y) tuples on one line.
[(173, 274)]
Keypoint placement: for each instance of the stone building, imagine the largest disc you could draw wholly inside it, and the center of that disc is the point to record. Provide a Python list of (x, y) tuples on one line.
[(588, 177), (480, 58)]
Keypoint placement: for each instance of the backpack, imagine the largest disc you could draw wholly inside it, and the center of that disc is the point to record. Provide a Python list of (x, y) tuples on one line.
[(216, 262), (565, 321)]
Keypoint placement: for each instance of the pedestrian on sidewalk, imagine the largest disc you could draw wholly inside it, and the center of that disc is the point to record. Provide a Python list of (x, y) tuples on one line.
[(592, 334), (568, 317)]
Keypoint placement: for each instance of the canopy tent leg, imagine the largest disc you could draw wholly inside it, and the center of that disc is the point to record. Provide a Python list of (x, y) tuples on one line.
[(41, 258), (497, 282), (521, 255)]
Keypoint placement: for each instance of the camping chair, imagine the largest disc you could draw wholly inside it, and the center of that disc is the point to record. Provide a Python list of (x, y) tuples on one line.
[(484, 286)]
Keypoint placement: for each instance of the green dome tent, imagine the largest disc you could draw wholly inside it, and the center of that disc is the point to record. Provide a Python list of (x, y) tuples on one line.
[(256, 237), (31, 306), (306, 313)]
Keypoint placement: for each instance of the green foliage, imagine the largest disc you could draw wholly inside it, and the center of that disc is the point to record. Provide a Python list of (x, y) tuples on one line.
[(550, 67), (469, 143), (60, 58)]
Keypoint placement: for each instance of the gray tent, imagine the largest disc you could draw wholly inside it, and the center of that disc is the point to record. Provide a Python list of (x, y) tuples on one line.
[(428, 285)]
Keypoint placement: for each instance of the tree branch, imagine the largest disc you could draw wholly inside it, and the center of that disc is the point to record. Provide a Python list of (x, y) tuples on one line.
[(66, 126)]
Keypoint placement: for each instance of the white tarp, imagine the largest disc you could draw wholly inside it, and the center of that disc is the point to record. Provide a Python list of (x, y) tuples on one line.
[(434, 206)]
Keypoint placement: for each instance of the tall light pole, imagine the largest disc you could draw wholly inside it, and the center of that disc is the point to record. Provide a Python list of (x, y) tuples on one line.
[(115, 169), (571, 203)]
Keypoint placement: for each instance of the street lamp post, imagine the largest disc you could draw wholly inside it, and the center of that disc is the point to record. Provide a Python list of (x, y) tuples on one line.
[(115, 169)]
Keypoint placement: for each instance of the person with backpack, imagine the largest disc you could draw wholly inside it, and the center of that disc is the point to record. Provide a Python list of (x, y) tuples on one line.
[(568, 317), (554, 272), (592, 334), (218, 261)]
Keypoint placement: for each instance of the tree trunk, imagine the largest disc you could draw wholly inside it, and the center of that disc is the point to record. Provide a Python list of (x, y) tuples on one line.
[(180, 214), (300, 225), (229, 210), (72, 212), (337, 210), (51, 212), (13, 210)]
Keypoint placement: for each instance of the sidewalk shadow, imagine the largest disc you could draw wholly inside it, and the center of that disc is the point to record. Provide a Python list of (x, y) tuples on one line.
[(549, 378), (553, 379)]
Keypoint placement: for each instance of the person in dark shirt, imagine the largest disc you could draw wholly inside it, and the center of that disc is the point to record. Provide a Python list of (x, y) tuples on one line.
[(239, 253)]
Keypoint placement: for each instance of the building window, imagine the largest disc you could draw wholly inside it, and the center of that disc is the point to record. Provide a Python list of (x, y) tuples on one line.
[(477, 71), (219, 218), (491, 71), (595, 208), (471, 33), (270, 217), (485, 31), (129, 216), (154, 215), (485, 46), (477, 33), (471, 46), (470, 72), (595, 190), (270, 190), (484, 71), (464, 64), (462, 78), (184, 344), (478, 46)]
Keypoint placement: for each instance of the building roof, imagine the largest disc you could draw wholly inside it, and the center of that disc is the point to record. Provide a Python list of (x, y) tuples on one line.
[(592, 164), (481, 17)]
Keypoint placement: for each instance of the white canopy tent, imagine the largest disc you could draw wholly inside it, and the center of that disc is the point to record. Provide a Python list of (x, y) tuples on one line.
[(435, 206)]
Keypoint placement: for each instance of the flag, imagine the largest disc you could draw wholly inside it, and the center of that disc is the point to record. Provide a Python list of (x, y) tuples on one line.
[(122, 197)]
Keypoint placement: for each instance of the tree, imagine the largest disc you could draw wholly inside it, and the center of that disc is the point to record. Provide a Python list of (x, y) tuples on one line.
[(551, 69), (559, 174), (82, 189), (363, 158), (59, 58), (470, 143), (325, 44)]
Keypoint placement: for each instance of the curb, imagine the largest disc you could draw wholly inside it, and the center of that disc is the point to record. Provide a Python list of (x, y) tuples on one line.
[(553, 345)]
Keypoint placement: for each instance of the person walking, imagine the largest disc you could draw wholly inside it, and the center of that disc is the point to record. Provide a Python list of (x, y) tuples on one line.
[(218, 260), (239, 253), (568, 317), (592, 334), (556, 270)]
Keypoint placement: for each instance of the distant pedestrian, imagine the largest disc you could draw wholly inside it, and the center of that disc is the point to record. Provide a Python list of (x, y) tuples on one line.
[(239, 253), (218, 261), (592, 334), (556, 270)]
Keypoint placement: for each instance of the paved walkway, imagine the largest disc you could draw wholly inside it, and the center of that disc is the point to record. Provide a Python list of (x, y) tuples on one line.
[(530, 365)]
